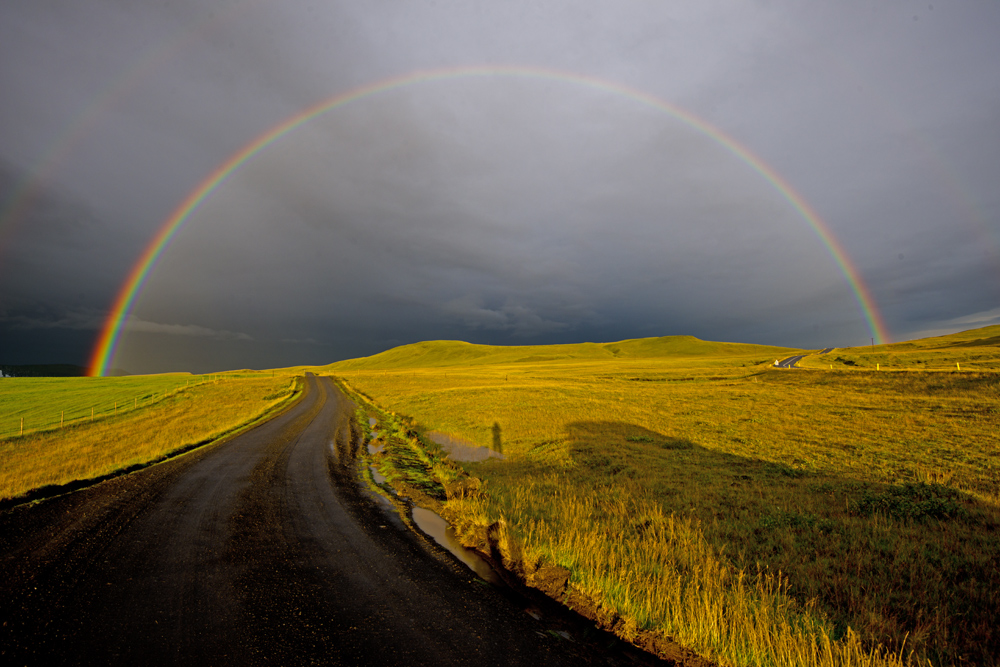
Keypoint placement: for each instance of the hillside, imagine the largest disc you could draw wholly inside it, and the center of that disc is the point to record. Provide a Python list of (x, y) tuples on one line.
[(982, 337), (441, 353), (972, 350)]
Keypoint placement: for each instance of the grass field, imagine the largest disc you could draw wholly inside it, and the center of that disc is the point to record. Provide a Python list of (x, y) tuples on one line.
[(828, 516), (155, 416), (973, 350), (47, 403), (758, 516)]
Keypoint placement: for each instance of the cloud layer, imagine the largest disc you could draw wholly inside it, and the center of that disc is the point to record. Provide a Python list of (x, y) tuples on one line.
[(505, 209)]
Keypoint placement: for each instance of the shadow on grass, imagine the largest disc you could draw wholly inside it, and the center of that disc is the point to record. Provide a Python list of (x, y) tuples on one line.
[(908, 562), (497, 439), (620, 449)]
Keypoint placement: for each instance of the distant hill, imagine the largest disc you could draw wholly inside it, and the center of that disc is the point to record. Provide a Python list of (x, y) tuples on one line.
[(982, 337), (44, 371), (438, 353)]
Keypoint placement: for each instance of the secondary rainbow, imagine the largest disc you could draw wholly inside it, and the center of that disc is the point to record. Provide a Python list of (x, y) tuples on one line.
[(14, 210), (107, 343)]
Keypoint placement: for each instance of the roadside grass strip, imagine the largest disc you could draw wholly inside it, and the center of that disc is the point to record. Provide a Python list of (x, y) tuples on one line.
[(405, 458)]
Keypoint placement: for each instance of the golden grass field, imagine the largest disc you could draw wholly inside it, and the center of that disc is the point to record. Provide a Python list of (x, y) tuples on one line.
[(758, 516), (156, 416), (827, 516)]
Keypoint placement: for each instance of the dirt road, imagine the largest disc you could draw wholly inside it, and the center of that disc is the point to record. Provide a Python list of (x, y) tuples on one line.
[(262, 550)]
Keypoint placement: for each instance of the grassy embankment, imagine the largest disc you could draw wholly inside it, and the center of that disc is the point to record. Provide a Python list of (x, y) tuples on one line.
[(756, 516), (156, 416)]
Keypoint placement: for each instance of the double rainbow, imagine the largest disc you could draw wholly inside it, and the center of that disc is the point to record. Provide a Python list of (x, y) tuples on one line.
[(107, 343)]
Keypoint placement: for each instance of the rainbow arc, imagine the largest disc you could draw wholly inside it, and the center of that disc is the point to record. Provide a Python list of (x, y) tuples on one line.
[(114, 326)]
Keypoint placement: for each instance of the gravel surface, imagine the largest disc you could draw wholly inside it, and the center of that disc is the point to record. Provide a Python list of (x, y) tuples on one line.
[(261, 550)]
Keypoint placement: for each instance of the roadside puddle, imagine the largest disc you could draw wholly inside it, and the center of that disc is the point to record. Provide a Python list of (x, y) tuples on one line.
[(462, 450), (373, 446), (439, 530), (429, 522), (376, 475)]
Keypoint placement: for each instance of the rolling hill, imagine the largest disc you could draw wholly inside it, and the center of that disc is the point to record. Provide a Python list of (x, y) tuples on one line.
[(442, 353)]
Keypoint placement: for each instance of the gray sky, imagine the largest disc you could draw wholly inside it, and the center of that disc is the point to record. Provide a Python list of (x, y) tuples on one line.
[(504, 208)]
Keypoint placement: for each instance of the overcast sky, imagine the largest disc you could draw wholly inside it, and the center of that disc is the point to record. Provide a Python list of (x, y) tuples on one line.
[(504, 208)]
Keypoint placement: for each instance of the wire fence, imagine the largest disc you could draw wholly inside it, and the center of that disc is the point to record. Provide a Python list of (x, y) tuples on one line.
[(59, 418), (36, 421)]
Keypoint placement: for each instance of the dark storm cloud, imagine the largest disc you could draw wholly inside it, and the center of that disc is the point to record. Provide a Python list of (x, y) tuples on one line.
[(493, 209)]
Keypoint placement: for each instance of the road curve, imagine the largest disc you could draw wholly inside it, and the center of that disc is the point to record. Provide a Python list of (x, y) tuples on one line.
[(261, 550), (789, 362)]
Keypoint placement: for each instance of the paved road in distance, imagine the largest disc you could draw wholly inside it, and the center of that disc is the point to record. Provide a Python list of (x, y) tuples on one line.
[(790, 362)]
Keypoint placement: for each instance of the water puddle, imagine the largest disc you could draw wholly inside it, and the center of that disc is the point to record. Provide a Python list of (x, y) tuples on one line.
[(376, 475), (441, 532), (462, 450), (373, 446)]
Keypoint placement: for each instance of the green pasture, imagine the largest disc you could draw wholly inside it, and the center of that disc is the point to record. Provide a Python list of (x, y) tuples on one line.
[(44, 403), (157, 416)]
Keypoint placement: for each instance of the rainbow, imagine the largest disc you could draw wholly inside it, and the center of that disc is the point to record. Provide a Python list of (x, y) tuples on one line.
[(107, 343)]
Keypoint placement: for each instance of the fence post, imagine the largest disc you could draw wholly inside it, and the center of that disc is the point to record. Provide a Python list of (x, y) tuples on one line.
[(62, 418), (22, 425)]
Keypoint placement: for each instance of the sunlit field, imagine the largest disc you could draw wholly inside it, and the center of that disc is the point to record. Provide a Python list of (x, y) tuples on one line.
[(755, 515), (42, 403), (973, 350), (136, 420)]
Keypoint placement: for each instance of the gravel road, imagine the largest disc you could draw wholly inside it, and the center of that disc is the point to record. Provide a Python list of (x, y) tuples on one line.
[(261, 550)]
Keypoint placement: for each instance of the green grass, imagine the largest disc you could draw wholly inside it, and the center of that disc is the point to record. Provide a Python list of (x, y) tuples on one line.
[(45, 402), (405, 458), (862, 508), (162, 415)]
